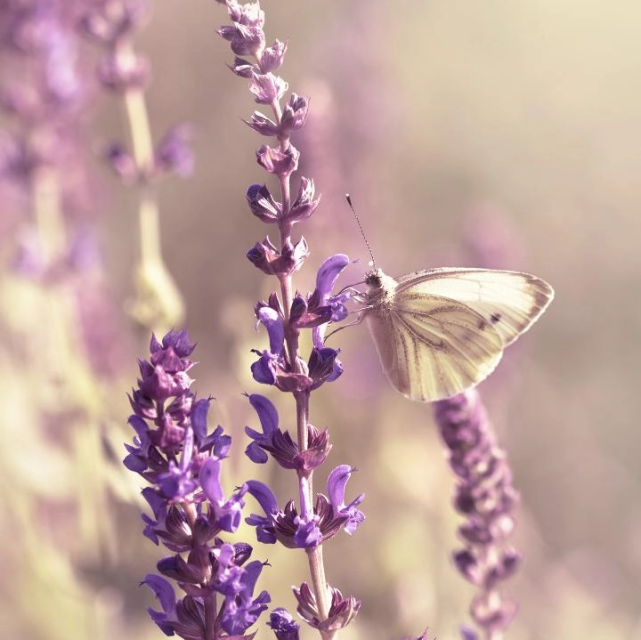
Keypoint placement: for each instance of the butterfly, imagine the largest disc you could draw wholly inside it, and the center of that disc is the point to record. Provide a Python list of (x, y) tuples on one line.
[(441, 331)]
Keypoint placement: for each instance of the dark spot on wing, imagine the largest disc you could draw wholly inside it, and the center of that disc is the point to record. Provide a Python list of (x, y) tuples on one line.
[(482, 324), (495, 317)]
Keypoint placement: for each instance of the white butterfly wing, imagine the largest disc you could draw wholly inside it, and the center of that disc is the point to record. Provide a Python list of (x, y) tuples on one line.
[(442, 331), (510, 300)]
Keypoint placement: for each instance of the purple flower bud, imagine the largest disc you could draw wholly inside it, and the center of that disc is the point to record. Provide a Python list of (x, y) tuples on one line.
[(249, 14), (176, 483), (281, 163), (324, 366), (272, 57), (174, 152), (342, 610), (294, 114), (304, 205), (262, 204), (304, 317), (283, 625), (491, 613), (122, 163), (120, 74), (111, 23), (243, 68), (176, 568), (267, 88), (263, 125), (307, 534), (244, 40), (269, 260)]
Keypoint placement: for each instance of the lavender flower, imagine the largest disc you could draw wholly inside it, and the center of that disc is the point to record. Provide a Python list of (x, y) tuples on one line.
[(174, 452), (486, 497), (285, 315)]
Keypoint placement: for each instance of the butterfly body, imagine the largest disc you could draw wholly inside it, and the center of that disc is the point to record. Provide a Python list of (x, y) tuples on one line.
[(441, 331)]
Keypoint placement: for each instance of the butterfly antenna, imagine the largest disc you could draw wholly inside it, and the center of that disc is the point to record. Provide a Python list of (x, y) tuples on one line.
[(360, 228)]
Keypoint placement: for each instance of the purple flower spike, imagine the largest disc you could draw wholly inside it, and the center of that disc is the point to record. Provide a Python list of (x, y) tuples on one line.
[(173, 450), (284, 364), (486, 497)]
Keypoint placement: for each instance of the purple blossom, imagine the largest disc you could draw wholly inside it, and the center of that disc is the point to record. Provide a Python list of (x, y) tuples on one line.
[(280, 445), (297, 531), (336, 484), (315, 311)]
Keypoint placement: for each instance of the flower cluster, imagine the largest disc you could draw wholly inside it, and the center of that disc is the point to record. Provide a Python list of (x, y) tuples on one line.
[(174, 452), (486, 497)]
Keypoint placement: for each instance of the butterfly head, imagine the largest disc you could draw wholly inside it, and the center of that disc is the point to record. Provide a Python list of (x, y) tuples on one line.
[(380, 288), (374, 279)]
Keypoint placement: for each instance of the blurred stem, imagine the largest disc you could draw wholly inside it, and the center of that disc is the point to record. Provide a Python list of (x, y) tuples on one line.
[(158, 305), (45, 188)]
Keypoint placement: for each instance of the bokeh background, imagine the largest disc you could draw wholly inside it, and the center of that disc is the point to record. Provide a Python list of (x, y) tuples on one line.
[(503, 134)]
